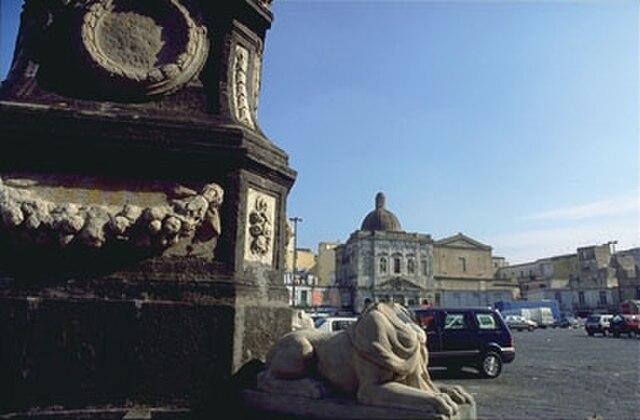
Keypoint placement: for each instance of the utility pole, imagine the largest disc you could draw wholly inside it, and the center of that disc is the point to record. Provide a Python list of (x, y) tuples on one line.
[(295, 221)]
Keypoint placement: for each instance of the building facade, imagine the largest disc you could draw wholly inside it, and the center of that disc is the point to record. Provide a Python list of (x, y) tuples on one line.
[(326, 263), (380, 261), (594, 279), (595, 286), (302, 282), (464, 274), (627, 266)]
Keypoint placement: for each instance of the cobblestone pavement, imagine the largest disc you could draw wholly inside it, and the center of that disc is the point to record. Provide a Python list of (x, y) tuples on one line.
[(560, 374)]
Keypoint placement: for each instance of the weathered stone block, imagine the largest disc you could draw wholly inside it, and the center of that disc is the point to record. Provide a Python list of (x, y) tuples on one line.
[(266, 405)]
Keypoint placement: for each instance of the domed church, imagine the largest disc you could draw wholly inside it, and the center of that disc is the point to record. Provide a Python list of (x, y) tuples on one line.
[(380, 261)]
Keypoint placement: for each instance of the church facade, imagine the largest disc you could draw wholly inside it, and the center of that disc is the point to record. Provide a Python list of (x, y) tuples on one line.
[(381, 262)]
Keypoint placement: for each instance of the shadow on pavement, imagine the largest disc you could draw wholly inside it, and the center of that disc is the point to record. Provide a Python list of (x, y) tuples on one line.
[(442, 373)]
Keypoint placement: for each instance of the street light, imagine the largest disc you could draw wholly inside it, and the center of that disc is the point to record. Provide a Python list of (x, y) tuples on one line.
[(295, 221)]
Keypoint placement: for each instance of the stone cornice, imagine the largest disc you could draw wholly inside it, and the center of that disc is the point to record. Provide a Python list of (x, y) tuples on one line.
[(87, 131), (447, 242)]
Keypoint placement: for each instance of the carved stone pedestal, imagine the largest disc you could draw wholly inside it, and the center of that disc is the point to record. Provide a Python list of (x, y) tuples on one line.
[(142, 209), (262, 405)]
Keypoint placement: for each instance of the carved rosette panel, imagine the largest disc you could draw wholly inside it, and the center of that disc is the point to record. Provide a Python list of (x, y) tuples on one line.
[(259, 235), (240, 80), (149, 48), (26, 215)]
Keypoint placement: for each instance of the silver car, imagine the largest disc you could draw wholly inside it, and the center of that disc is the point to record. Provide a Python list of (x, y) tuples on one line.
[(520, 323)]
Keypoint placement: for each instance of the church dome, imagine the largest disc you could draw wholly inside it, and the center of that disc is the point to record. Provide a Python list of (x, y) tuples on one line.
[(381, 218)]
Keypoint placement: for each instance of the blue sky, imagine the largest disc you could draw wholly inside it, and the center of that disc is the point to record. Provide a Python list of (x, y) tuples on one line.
[(516, 123)]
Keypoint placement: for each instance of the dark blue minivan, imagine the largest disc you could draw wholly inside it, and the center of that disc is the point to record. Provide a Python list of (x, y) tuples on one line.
[(476, 338)]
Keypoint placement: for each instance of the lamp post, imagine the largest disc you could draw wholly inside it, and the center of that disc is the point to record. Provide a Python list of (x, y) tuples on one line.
[(295, 221)]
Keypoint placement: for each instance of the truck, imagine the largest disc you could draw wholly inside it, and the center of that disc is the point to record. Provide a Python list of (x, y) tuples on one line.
[(542, 316), (544, 312)]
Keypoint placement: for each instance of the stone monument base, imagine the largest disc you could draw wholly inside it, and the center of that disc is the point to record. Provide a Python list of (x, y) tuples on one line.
[(265, 405), (152, 344), (104, 413)]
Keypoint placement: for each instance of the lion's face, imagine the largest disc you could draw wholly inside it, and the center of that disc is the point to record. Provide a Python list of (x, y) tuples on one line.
[(386, 336), (400, 319)]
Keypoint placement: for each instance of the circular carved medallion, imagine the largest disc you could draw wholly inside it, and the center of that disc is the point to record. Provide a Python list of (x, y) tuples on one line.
[(153, 47)]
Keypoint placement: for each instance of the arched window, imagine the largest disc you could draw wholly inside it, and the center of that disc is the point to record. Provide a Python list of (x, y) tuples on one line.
[(411, 266), (383, 265), (396, 265)]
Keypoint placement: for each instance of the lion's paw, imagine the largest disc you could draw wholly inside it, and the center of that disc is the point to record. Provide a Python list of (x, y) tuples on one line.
[(457, 394), (443, 404)]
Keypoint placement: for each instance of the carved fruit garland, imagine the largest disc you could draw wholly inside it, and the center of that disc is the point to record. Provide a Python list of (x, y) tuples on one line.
[(94, 226)]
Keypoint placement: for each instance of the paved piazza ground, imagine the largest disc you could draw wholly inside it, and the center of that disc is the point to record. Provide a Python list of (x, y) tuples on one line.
[(560, 374)]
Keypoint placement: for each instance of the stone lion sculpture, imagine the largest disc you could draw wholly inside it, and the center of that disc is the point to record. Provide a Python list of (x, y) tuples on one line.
[(380, 360)]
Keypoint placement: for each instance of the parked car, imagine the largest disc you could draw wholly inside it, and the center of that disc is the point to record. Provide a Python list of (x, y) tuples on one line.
[(520, 323), (567, 321), (476, 338), (598, 324), (625, 324), (334, 323)]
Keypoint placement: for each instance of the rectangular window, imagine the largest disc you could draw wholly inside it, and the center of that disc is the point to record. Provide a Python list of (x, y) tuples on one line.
[(383, 265), (396, 265), (603, 298), (581, 298), (340, 325), (454, 321), (303, 298), (486, 322), (463, 263)]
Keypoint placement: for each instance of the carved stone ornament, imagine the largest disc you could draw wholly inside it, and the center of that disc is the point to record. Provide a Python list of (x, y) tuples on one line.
[(25, 214), (240, 92), (155, 47), (257, 71), (259, 231)]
